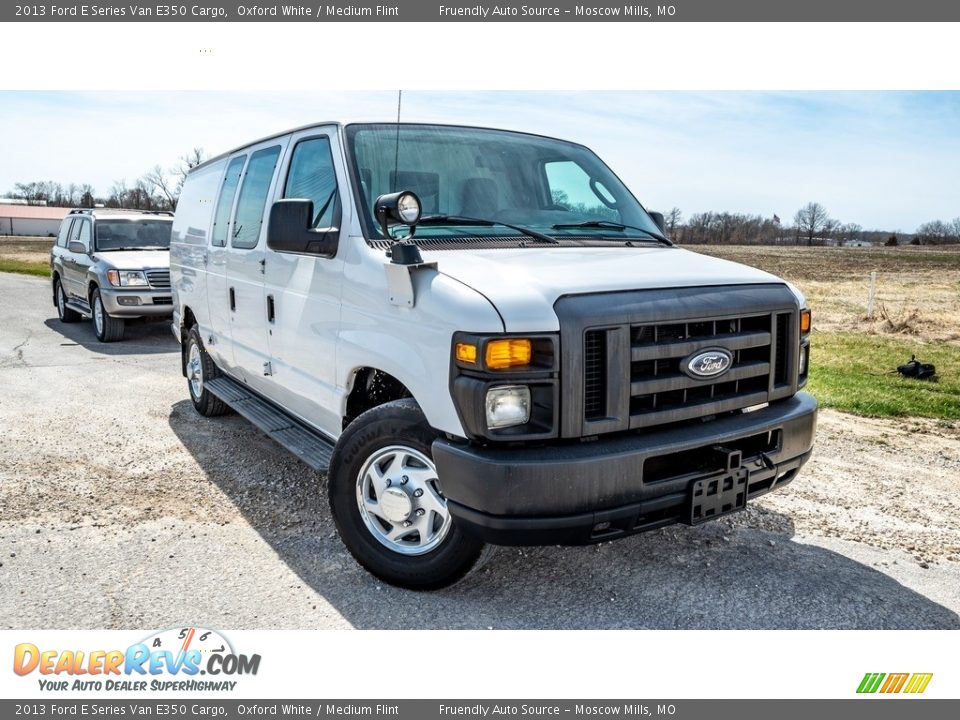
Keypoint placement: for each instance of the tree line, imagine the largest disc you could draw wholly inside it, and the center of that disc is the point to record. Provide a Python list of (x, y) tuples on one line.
[(811, 225), (156, 189)]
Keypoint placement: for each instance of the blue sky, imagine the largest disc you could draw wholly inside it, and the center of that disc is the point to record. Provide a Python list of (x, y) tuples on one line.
[(886, 160)]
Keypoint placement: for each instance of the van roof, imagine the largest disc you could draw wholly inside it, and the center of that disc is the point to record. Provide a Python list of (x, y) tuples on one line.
[(340, 124)]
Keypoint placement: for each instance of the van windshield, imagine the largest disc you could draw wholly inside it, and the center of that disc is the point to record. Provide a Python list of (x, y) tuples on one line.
[(554, 187), (133, 234)]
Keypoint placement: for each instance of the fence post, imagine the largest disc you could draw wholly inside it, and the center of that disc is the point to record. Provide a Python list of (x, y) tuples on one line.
[(873, 294)]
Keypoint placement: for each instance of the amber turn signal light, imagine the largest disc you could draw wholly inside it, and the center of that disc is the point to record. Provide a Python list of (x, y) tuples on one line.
[(806, 322), (504, 354), (466, 353)]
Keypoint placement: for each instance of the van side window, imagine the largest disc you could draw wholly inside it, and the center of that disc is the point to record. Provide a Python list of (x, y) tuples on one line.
[(312, 177), (253, 197), (63, 238), (225, 201)]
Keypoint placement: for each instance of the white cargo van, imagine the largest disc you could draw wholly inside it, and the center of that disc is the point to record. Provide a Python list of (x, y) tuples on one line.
[(482, 337)]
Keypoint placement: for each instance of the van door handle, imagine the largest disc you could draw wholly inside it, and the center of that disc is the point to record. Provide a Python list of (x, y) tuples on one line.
[(270, 308), (233, 299)]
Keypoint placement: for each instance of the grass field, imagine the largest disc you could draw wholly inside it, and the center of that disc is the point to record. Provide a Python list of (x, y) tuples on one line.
[(917, 313)]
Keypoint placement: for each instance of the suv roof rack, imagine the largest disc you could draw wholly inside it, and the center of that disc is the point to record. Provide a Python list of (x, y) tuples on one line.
[(108, 211)]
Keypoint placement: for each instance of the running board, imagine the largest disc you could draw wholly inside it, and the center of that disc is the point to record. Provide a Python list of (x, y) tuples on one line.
[(82, 309), (308, 445)]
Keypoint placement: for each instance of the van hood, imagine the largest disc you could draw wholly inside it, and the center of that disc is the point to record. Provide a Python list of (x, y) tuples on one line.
[(135, 259), (523, 284)]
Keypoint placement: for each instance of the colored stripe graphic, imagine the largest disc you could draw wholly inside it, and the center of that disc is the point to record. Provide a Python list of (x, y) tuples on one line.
[(870, 682), (918, 682), (894, 683)]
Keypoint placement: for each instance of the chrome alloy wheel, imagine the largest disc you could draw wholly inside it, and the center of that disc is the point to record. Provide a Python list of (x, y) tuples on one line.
[(400, 502), (195, 371), (98, 315), (61, 303)]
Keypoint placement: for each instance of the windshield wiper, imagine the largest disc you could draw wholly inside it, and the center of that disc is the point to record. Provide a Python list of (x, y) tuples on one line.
[(461, 220), (612, 226)]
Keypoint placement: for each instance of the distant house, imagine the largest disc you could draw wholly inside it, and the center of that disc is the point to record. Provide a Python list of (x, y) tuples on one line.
[(858, 243), (32, 220)]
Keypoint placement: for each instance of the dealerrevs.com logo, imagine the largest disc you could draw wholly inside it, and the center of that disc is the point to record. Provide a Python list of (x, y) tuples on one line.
[(168, 660), (887, 684)]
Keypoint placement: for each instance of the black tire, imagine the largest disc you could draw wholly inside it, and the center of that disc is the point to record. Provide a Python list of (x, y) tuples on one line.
[(398, 423), (65, 314), (108, 329), (206, 403)]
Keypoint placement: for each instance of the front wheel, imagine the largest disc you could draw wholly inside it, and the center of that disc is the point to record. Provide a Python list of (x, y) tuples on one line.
[(387, 503), (108, 328)]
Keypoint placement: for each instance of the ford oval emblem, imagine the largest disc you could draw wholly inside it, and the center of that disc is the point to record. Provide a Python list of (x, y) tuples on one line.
[(708, 363)]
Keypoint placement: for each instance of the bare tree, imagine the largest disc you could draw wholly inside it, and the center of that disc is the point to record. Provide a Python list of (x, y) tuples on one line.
[(935, 232), (811, 220), (673, 219), (159, 183)]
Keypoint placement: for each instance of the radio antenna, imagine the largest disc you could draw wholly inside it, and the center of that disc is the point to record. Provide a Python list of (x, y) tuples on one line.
[(396, 154)]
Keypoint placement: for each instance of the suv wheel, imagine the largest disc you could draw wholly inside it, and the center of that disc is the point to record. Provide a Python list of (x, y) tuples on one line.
[(387, 503), (108, 329), (200, 368), (66, 314)]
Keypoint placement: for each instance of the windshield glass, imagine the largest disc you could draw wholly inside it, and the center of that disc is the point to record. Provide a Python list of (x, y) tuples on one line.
[(133, 234), (524, 180)]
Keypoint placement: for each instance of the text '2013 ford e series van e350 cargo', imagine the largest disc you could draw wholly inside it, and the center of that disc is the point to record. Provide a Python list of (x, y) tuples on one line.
[(482, 337)]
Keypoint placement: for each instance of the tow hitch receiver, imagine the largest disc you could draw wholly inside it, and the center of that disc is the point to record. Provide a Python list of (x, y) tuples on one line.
[(720, 494)]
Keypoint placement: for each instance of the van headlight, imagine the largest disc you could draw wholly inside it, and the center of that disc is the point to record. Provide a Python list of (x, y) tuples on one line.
[(508, 405), (127, 278)]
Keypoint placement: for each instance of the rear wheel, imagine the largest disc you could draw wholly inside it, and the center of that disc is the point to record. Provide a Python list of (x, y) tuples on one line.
[(65, 313), (108, 329), (386, 500), (200, 369)]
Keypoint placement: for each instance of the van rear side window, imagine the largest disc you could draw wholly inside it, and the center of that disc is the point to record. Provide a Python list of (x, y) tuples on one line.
[(225, 201), (312, 177), (253, 198)]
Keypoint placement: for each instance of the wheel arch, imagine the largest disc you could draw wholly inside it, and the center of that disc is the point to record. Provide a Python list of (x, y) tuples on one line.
[(187, 321), (372, 387)]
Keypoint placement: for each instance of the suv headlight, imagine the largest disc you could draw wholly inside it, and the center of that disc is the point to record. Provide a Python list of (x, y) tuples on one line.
[(127, 278), (508, 405)]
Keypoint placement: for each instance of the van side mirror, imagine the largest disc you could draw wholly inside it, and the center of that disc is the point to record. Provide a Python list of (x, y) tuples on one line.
[(291, 230), (658, 219), (75, 246)]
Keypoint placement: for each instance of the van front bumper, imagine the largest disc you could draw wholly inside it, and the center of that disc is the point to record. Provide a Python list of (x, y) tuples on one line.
[(580, 493), (137, 303)]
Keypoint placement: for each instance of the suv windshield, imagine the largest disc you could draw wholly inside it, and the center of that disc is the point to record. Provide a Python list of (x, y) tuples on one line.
[(555, 187), (133, 234)]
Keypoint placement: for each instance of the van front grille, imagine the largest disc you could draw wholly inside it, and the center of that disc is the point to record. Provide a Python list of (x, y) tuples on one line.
[(660, 390), (628, 357)]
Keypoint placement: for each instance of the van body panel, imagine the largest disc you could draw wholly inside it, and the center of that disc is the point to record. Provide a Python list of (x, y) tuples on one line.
[(189, 254), (414, 344), (526, 282), (304, 291)]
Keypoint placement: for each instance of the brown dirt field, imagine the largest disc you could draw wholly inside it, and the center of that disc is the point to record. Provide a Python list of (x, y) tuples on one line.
[(27, 249), (918, 288)]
